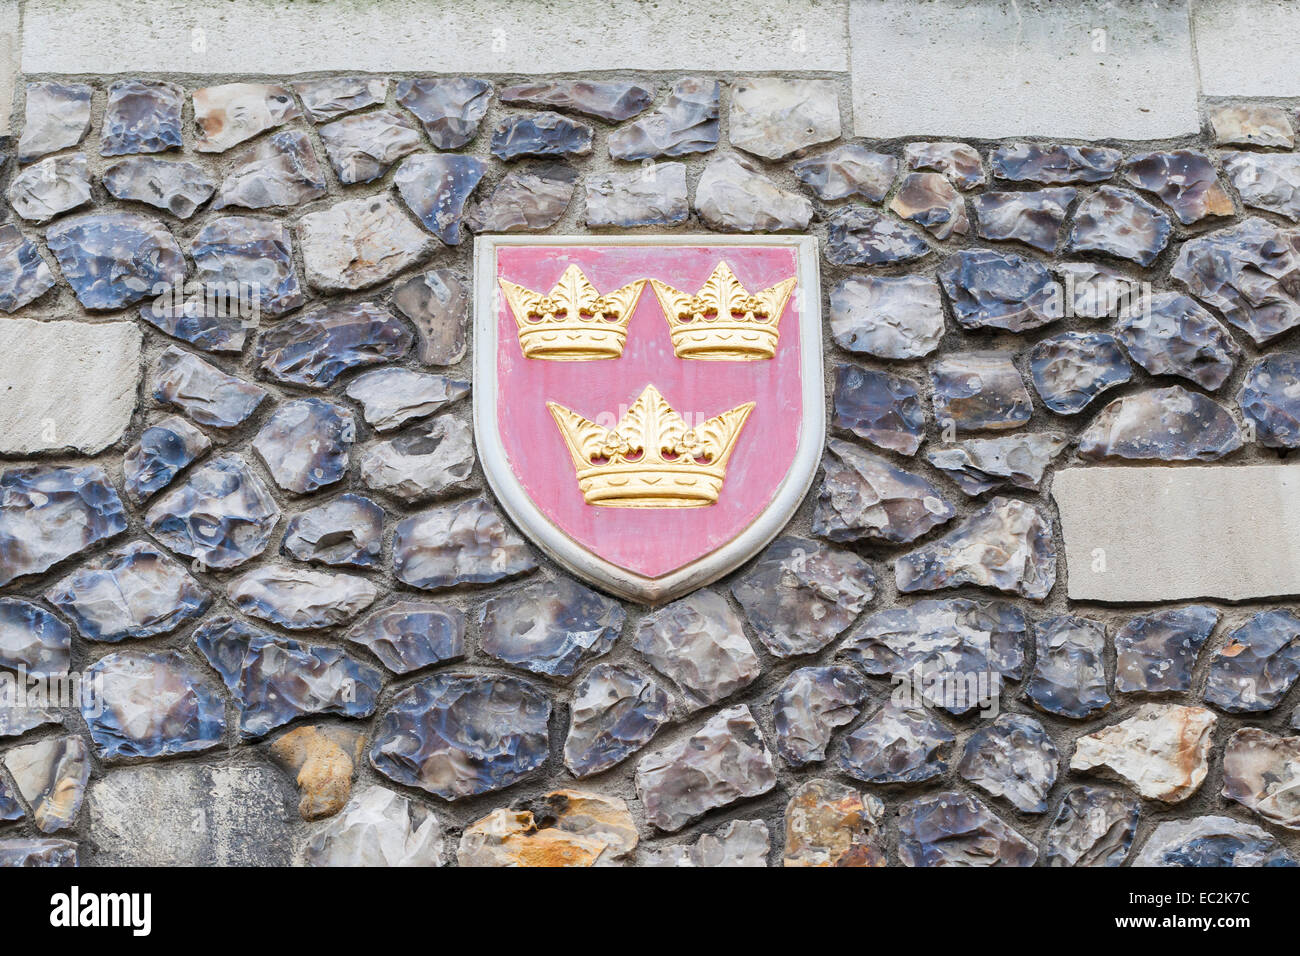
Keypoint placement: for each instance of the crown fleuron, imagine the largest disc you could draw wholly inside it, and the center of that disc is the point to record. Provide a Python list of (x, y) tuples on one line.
[(650, 459), (723, 322), (573, 322)]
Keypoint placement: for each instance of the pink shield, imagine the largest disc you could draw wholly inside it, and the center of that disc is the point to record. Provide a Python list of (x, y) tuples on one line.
[(641, 547)]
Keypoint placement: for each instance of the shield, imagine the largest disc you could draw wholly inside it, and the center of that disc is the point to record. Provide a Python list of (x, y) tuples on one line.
[(648, 410)]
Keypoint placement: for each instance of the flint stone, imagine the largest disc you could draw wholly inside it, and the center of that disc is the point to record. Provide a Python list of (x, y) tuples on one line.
[(979, 390), (275, 680), (699, 644), (66, 384), (325, 99), (829, 824), (358, 243), (204, 392), (800, 594), (436, 187), (38, 853), (164, 449), (686, 123), (810, 705), (1266, 182), (153, 705), (741, 843), (304, 444), (391, 397), (550, 628), (525, 199), (1006, 545), (861, 236), (221, 515), (1250, 125), (881, 408), (1167, 424), (1094, 827), (1120, 223), (315, 348), (134, 591), (1071, 369), (848, 171), (379, 828), (459, 735), (615, 101), (616, 711), (1094, 291), (564, 828), (654, 196), (50, 188), (33, 639), (450, 109), (892, 317), (462, 543), (1054, 164), (51, 775), (229, 114), (1212, 841), (1034, 218), (733, 196), (115, 259), (998, 290), (724, 761), (1270, 400), (253, 255), (437, 304), (179, 188), (896, 744), (1258, 665), (957, 161), (409, 635), (1069, 677), (191, 814), (957, 829), (1155, 653), (1262, 772), (978, 465), (346, 531), (323, 760), (10, 808), (1185, 180), (543, 135), (423, 462), (281, 170), (142, 116), (299, 599), (1250, 272), (1012, 757), (363, 148), (864, 497), (775, 118), (931, 201), (1175, 336), (1162, 751), (55, 116), (945, 639), (49, 513), (17, 720), (24, 276)]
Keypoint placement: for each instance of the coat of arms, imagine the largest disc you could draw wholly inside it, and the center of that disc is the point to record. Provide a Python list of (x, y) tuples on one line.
[(650, 411)]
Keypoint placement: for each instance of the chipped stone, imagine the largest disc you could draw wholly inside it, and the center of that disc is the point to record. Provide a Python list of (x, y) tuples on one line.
[(896, 744), (774, 117), (848, 171), (323, 760), (1166, 424), (526, 199), (881, 408), (1254, 670), (363, 148), (299, 599), (1155, 653), (55, 116), (24, 276), (462, 543), (542, 135), (379, 828), (613, 101), (1266, 181), (114, 259), (346, 531), (1162, 751), (437, 304), (930, 200), (1184, 179), (51, 775), (1054, 164), (142, 116), (409, 635), (304, 444), (861, 236), (564, 828), (436, 187), (179, 188), (50, 188), (423, 462), (1212, 841), (864, 497), (333, 96), (686, 123), (892, 317), (956, 829), (551, 627), (1071, 369), (653, 196), (221, 515), (741, 843), (32, 639), (699, 644), (1120, 223), (1034, 218), (957, 161), (978, 465), (979, 390), (1270, 400), (1012, 757), (829, 824), (391, 397), (227, 115), (616, 710), (1069, 677), (1175, 336), (1250, 125), (315, 348), (281, 170), (204, 392), (1094, 827), (358, 243), (810, 705), (1262, 771), (733, 196), (999, 290), (449, 108)]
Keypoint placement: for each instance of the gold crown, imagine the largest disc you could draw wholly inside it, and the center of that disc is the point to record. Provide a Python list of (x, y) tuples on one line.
[(723, 322), (573, 322), (651, 459)]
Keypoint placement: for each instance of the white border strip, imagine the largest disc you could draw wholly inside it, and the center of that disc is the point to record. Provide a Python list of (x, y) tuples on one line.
[(559, 546)]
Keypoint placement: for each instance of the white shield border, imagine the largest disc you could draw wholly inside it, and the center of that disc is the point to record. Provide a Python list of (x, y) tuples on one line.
[(575, 557)]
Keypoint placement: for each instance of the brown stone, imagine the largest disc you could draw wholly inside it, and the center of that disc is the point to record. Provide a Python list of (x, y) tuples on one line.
[(829, 824), (324, 758), (1162, 751), (565, 828)]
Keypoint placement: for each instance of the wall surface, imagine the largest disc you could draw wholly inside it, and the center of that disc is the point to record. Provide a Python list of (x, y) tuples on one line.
[(1060, 274)]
